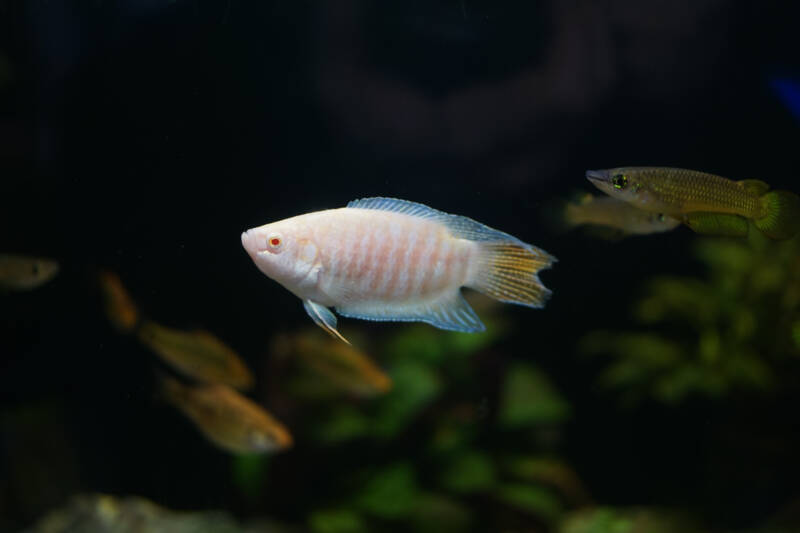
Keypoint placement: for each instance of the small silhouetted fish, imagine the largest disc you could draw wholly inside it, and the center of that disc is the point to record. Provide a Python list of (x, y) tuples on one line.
[(119, 306), (612, 213), (389, 259), (341, 364), (22, 273), (229, 420), (197, 354)]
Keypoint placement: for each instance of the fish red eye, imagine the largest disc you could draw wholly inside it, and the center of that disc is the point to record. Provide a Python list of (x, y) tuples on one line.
[(274, 242)]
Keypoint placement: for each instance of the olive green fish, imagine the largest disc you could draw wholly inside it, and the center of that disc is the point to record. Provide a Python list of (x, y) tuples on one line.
[(228, 419), (616, 214), (196, 354), (21, 273), (705, 202)]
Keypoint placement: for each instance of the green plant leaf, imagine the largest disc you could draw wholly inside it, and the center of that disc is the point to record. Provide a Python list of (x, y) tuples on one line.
[(336, 521), (415, 386), (528, 398), (468, 472), (343, 424), (248, 472), (390, 493), (435, 513), (533, 499), (549, 471)]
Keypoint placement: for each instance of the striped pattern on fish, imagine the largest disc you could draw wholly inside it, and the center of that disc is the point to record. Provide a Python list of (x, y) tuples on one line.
[(387, 259)]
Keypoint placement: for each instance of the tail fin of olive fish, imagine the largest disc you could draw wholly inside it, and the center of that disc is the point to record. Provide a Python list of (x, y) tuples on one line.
[(508, 271), (782, 219)]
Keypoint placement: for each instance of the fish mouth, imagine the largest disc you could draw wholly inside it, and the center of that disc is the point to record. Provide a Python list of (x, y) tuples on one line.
[(597, 176), (249, 242)]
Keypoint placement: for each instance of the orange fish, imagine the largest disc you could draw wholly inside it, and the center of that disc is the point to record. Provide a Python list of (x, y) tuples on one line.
[(197, 354), (119, 306), (228, 419)]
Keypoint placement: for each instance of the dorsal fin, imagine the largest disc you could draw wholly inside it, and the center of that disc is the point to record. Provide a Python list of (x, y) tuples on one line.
[(462, 227), (756, 187), (381, 203)]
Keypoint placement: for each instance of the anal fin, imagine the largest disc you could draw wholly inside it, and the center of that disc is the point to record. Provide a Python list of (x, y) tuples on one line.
[(324, 318), (717, 224), (450, 312)]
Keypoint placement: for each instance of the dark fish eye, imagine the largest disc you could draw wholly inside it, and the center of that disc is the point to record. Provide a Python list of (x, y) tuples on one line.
[(661, 217), (619, 181)]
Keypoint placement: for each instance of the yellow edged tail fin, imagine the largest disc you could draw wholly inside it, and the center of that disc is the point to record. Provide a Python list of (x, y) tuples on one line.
[(782, 218), (508, 272)]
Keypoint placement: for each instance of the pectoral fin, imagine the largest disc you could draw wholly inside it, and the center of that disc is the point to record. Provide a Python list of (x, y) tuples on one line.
[(323, 317), (718, 224)]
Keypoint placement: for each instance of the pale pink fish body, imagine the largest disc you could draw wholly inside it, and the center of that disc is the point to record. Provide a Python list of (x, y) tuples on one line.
[(386, 259)]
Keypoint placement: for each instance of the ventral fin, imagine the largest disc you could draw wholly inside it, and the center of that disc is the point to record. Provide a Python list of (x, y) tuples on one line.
[(461, 227), (324, 318), (718, 224), (452, 313), (756, 187)]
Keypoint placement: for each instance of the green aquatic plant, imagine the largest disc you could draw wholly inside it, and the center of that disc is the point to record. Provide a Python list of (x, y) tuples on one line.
[(735, 329), (248, 472), (460, 443), (529, 399)]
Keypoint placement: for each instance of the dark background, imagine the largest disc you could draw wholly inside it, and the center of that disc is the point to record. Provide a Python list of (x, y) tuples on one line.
[(144, 137)]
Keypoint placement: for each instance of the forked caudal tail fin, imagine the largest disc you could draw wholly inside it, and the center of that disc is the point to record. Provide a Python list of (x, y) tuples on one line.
[(782, 219), (508, 272)]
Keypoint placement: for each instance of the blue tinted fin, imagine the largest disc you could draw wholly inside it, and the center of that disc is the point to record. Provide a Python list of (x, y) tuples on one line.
[(380, 203), (462, 227), (453, 313), (323, 317)]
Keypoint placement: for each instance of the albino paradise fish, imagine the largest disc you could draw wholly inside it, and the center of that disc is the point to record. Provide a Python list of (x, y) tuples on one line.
[(613, 213), (707, 203), (21, 273), (197, 354), (228, 419), (389, 259), (341, 364), (119, 306)]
